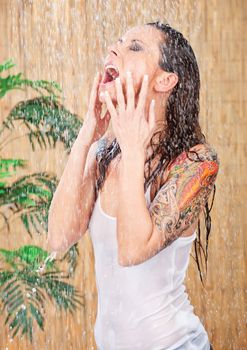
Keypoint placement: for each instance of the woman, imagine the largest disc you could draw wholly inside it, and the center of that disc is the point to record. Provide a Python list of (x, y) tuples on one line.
[(152, 176)]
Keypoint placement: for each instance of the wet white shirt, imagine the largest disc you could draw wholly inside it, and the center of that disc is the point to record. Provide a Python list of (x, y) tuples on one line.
[(144, 306)]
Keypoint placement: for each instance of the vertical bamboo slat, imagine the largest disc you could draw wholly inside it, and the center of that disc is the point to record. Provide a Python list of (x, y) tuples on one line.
[(66, 41)]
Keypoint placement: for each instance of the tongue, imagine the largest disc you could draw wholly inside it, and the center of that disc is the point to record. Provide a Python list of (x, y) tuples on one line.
[(108, 78), (113, 72)]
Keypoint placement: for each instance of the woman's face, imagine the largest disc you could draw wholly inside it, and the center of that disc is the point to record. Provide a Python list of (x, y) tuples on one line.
[(136, 51)]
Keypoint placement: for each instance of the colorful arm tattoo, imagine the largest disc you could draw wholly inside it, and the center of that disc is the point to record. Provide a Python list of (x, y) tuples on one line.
[(179, 201)]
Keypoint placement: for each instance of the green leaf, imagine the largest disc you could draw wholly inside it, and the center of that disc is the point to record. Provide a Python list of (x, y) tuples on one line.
[(30, 197), (11, 300), (18, 82), (37, 315), (6, 65), (46, 120)]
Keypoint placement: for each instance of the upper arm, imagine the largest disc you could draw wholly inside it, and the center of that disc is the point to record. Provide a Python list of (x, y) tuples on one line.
[(179, 201)]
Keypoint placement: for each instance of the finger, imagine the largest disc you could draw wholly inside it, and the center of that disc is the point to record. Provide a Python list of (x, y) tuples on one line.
[(94, 91), (112, 111), (151, 119), (110, 105), (143, 94), (106, 116), (120, 95), (130, 92)]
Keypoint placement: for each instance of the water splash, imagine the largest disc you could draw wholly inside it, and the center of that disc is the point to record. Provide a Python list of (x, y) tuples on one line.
[(49, 258)]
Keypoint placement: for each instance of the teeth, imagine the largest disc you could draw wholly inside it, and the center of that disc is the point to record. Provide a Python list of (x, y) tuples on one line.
[(112, 70), (111, 66)]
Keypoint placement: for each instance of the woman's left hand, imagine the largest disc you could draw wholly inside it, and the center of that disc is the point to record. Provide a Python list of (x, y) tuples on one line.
[(132, 128)]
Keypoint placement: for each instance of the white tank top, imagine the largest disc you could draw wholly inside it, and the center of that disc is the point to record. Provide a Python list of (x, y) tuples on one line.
[(142, 306)]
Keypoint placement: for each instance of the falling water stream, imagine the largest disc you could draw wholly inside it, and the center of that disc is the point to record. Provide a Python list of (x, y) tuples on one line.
[(66, 41)]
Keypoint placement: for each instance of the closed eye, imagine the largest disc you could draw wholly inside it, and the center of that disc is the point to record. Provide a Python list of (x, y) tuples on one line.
[(135, 47)]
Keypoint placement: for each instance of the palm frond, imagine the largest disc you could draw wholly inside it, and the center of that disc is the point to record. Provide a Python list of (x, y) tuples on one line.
[(23, 293), (29, 256), (5, 172), (17, 82), (31, 276), (30, 197), (71, 257), (46, 120), (6, 65)]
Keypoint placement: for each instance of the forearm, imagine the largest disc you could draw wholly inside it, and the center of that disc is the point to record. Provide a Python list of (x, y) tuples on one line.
[(134, 225), (65, 209)]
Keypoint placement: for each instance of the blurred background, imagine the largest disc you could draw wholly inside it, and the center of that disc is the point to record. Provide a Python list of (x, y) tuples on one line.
[(65, 41)]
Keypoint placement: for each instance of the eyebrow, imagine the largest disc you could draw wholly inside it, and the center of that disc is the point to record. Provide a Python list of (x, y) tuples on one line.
[(133, 40)]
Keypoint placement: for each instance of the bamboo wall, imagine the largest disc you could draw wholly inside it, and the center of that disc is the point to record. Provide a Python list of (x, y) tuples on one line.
[(66, 41)]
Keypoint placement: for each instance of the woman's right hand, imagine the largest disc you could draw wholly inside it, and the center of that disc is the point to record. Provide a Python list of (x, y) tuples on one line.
[(93, 126)]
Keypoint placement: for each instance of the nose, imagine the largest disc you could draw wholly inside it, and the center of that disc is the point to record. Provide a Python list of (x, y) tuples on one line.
[(112, 49)]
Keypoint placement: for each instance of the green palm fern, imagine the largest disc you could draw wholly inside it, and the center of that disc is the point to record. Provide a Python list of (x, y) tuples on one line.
[(46, 121), (29, 198), (24, 289), (24, 285), (28, 256), (17, 82)]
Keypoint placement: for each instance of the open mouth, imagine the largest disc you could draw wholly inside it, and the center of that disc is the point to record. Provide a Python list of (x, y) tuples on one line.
[(111, 73)]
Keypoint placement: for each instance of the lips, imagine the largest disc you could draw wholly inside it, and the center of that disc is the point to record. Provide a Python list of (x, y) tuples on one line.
[(110, 74)]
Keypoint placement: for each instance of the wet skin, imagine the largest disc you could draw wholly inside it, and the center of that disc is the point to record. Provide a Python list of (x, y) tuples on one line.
[(185, 185)]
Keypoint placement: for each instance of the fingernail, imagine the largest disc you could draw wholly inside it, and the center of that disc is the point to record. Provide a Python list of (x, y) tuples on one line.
[(117, 80), (145, 77), (128, 74)]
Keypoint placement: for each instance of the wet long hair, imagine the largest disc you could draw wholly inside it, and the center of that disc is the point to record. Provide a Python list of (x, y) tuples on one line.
[(181, 129)]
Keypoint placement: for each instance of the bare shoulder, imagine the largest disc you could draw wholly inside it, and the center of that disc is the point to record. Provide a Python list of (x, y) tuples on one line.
[(200, 159), (176, 208), (205, 152)]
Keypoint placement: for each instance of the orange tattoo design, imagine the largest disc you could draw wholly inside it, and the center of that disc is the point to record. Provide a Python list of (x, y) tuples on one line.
[(180, 200)]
